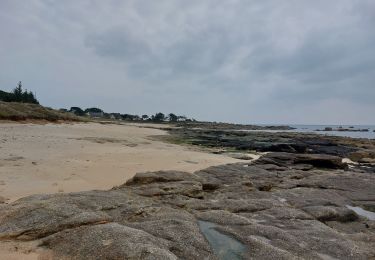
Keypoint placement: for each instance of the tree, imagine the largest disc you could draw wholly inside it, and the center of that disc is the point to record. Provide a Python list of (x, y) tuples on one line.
[(31, 98), (17, 92), (25, 96), (128, 117), (28, 97), (5, 96), (144, 117), (159, 117), (93, 110), (18, 95), (172, 117), (77, 111)]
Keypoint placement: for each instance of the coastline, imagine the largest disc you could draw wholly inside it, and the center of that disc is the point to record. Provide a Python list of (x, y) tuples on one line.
[(60, 158), (168, 185)]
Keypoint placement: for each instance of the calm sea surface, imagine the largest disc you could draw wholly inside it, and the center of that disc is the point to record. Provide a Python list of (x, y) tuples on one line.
[(313, 129)]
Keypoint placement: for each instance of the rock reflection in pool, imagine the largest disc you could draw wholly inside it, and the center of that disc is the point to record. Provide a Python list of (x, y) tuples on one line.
[(224, 247)]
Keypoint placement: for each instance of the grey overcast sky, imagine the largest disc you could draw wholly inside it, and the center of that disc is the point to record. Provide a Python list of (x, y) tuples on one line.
[(269, 61)]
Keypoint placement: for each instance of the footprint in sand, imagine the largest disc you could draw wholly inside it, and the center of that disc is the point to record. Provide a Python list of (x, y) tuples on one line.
[(2, 182), (13, 158)]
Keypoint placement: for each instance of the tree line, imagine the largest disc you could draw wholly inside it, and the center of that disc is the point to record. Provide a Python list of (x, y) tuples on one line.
[(97, 112), (18, 95)]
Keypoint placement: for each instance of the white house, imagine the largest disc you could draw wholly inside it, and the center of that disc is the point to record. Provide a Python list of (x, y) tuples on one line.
[(95, 114)]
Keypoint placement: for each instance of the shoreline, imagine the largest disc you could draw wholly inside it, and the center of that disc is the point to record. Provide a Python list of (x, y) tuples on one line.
[(165, 200), (60, 158)]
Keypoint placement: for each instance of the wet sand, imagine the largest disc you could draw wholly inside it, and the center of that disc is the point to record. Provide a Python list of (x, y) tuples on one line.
[(54, 158)]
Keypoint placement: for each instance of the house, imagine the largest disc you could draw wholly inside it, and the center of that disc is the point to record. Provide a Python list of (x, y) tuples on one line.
[(116, 116), (95, 114), (181, 118)]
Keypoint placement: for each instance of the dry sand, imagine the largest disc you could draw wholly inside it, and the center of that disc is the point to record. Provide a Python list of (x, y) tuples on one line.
[(51, 158), (10, 250), (55, 158)]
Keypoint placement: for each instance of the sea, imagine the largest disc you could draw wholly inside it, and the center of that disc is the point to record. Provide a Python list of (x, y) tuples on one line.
[(314, 129)]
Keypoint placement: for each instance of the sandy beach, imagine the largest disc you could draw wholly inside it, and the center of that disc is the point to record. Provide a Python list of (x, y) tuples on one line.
[(57, 158)]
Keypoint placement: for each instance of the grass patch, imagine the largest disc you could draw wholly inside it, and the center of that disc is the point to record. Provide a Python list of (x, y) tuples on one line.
[(25, 111)]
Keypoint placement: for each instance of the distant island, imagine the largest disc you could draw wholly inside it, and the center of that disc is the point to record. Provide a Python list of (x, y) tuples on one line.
[(343, 129)]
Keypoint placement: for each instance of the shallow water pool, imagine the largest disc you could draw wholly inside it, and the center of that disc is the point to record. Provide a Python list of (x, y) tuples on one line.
[(224, 246)]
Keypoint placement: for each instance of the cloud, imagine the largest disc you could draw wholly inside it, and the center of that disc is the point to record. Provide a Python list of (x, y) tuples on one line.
[(210, 59)]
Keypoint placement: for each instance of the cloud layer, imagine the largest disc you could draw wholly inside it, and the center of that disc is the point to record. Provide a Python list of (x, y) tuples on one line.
[(235, 60)]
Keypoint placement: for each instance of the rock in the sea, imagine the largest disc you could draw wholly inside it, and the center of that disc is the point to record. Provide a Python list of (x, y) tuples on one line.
[(314, 160), (290, 142), (282, 206)]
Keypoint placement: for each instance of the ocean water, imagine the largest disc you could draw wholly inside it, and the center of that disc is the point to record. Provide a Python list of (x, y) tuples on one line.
[(313, 129)]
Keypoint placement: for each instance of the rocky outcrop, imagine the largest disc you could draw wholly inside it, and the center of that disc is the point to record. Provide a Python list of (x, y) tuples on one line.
[(283, 206), (303, 161), (344, 129), (228, 126), (109, 241), (289, 142)]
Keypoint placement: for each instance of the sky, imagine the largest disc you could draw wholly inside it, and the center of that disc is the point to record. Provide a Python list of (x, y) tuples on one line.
[(243, 61)]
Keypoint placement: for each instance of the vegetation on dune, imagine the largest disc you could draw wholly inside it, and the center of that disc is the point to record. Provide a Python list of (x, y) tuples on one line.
[(26, 111), (22, 104)]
